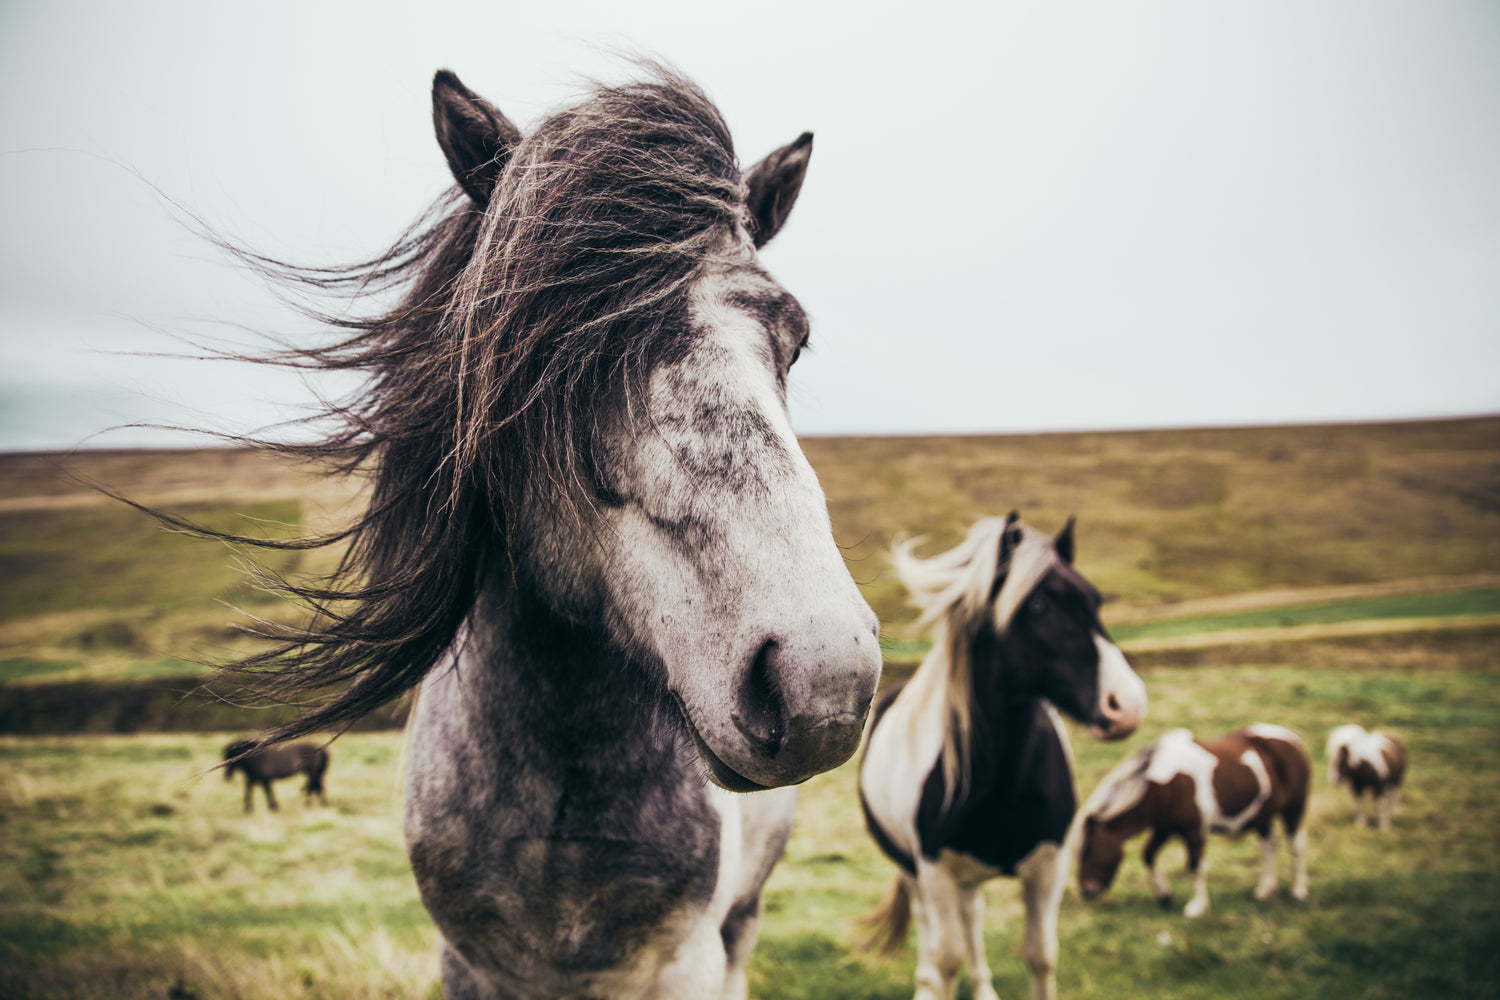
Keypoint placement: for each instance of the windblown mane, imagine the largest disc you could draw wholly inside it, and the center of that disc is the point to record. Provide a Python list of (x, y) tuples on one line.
[(958, 592), (1122, 788), (514, 319)]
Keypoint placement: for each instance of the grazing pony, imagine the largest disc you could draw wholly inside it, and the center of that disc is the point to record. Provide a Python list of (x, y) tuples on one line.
[(264, 764), (1181, 787), (1370, 762), (594, 542), (967, 772)]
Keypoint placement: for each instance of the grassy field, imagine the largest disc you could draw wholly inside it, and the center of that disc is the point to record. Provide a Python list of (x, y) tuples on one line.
[(118, 865), (1306, 576)]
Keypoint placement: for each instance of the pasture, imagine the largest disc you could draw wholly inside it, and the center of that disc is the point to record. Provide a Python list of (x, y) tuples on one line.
[(1304, 576), (121, 866)]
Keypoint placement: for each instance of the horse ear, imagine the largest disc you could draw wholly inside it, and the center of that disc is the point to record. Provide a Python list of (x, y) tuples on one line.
[(1064, 542), (1010, 536), (774, 184), (476, 138)]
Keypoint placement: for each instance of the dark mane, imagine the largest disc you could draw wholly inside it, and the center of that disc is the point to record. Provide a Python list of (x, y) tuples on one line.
[(513, 320)]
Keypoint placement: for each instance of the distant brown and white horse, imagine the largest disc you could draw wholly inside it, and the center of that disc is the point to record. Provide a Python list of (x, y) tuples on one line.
[(1182, 787), (1370, 762), (263, 764)]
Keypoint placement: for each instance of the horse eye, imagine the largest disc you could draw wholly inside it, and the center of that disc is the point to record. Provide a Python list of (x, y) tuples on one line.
[(1038, 606), (608, 497), (798, 352)]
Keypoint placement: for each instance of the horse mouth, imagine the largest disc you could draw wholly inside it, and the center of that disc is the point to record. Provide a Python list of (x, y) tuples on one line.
[(721, 773), (1108, 731)]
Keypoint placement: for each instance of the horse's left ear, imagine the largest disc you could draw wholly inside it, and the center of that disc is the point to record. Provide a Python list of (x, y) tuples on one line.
[(1063, 543), (476, 138), (774, 184)]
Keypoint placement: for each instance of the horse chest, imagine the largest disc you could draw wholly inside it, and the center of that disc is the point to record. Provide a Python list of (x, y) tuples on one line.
[(1021, 795), (559, 878)]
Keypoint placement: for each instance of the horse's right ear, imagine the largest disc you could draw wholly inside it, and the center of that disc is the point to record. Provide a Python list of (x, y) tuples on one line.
[(1010, 536), (774, 184), (476, 138)]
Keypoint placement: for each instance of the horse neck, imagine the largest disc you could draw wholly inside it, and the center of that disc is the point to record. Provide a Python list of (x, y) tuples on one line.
[(555, 685), (998, 693)]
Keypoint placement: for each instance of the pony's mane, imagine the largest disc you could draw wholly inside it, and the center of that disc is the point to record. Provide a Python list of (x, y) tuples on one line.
[(1122, 788), (513, 320), (956, 594)]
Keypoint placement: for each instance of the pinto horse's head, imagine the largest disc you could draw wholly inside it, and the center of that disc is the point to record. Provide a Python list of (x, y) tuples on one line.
[(626, 242), (1020, 620), (1049, 637), (1100, 851)]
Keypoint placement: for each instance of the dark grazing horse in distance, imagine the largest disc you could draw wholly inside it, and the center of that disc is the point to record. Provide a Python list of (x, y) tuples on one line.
[(262, 764), (1187, 788), (592, 540), (1369, 762), (967, 773)]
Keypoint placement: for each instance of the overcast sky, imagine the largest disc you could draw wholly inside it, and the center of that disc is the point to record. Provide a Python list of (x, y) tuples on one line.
[(1019, 216)]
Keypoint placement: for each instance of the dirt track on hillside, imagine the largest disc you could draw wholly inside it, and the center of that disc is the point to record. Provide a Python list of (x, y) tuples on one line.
[(1129, 614)]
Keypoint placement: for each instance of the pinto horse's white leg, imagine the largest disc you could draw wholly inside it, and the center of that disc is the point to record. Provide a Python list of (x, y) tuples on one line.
[(1299, 863), (938, 905), (979, 964), (1266, 887), (1385, 808), (1044, 876), (1198, 865)]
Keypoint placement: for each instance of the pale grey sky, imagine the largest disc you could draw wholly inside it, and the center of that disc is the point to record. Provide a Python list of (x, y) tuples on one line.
[(1019, 216)]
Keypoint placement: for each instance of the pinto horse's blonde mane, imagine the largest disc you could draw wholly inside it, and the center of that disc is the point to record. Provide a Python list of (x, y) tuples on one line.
[(955, 592)]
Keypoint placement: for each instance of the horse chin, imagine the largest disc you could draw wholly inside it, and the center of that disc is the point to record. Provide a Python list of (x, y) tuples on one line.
[(1108, 733), (719, 772)]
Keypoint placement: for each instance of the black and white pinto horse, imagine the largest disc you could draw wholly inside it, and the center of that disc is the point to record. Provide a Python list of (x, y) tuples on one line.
[(1369, 762), (1181, 787), (593, 540), (262, 765), (967, 772)]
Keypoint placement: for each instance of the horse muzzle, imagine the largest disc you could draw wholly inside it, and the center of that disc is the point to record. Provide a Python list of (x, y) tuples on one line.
[(1122, 695), (798, 709)]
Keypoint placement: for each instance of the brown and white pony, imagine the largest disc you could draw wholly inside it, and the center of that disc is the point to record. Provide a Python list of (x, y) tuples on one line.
[(1182, 787), (967, 774), (1370, 762)]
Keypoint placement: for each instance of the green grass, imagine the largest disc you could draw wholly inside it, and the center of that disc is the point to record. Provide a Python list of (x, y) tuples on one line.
[(20, 667), (118, 865), (116, 557)]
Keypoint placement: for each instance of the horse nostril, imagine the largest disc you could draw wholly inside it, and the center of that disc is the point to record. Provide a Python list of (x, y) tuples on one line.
[(1113, 703), (760, 714)]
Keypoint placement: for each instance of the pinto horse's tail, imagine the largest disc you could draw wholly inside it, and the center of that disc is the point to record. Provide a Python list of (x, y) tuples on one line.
[(890, 921)]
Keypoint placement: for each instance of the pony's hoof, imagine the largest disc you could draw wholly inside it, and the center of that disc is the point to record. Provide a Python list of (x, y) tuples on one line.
[(1165, 902), (1194, 910), (1265, 891), (1300, 895)]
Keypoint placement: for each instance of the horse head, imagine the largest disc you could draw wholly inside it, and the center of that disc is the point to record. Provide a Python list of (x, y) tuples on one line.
[(1048, 635), (1019, 620), (619, 253), (1100, 851), (232, 754)]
